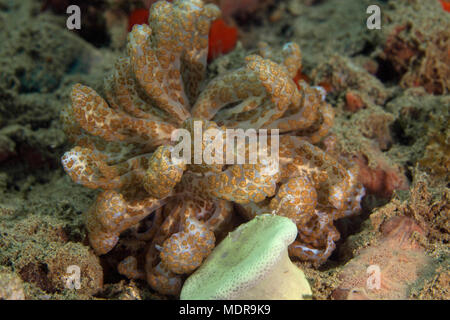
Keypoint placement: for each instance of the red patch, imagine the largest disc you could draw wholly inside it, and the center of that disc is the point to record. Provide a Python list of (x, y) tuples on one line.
[(353, 101), (138, 16), (327, 86), (222, 39), (301, 76), (445, 5)]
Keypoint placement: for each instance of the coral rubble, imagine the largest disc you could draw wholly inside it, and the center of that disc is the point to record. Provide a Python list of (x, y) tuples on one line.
[(397, 260), (416, 42)]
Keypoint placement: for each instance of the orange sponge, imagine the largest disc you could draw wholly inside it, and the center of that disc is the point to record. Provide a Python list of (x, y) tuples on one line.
[(222, 39)]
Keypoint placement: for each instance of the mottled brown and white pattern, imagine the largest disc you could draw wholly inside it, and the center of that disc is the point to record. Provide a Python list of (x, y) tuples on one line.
[(123, 147)]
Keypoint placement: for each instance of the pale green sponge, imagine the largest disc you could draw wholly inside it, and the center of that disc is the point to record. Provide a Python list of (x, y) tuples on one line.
[(252, 262)]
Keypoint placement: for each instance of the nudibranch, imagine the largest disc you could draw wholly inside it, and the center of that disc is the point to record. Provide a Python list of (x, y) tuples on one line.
[(123, 146)]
